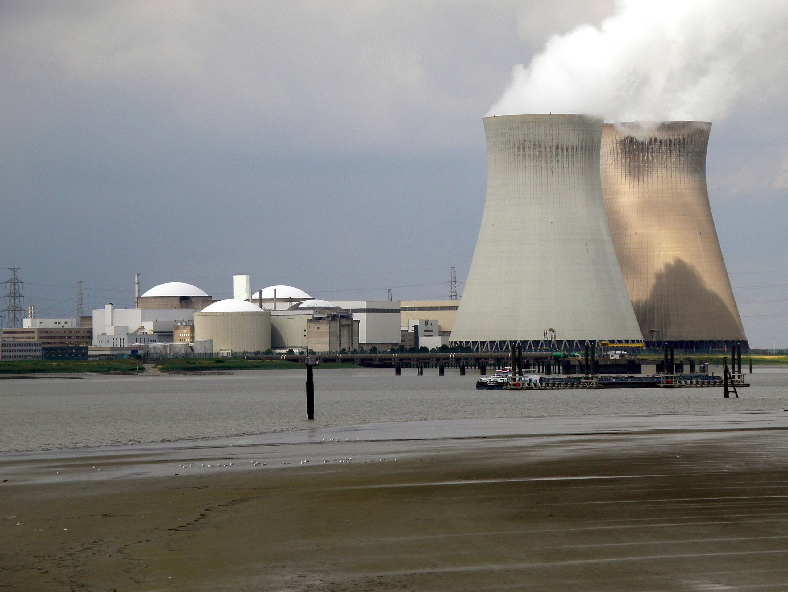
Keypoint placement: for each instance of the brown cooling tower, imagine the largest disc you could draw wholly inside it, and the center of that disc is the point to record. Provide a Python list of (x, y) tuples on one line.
[(657, 205)]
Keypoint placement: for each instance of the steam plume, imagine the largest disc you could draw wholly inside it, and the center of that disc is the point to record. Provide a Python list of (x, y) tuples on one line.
[(668, 60)]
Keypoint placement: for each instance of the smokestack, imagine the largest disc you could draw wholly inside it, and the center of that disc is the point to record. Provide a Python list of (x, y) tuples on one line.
[(657, 205), (544, 256), (242, 288), (136, 290)]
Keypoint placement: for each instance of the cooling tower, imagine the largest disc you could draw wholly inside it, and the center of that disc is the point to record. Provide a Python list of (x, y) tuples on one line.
[(654, 186), (544, 268)]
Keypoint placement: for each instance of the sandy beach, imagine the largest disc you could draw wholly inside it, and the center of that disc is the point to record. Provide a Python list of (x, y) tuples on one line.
[(624, 504)]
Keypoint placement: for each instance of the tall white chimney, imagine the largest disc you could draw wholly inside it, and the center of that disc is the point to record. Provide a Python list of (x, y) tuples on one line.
[(242, 288)]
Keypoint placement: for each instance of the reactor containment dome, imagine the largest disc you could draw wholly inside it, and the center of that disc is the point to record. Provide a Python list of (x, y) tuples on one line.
[(234, 326), (174, 295), (544, 272)]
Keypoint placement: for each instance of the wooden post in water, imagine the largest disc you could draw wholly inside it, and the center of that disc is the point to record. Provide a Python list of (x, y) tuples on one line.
[(441, 368), (593, 358), (398, 368), (665, 352), (585, 366), (519, 359), (750, 364), (725, 392), (462, 368), (310, 388), (482, 368)]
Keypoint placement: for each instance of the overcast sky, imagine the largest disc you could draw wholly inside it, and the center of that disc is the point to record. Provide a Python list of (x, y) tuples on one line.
[(338, 146)]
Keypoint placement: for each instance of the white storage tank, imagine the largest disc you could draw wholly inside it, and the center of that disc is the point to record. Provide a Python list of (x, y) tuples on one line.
[(234, 325)]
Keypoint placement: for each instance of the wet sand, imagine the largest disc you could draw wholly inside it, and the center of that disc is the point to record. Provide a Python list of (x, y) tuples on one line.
[(691, 508)]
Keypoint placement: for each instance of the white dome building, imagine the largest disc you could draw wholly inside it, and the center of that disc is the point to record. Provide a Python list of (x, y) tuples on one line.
[(280, 297), (175, 295), (234, 326), (319, 305)]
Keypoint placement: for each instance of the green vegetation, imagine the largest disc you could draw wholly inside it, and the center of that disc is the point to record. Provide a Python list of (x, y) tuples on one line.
[(716, 358), (223, 364), (127, 366)]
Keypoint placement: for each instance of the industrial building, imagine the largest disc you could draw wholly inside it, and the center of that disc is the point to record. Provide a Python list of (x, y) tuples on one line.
[(657, 204), (234, 326), (159, 311), (440, 315), (45, 342), (315, 326), (544, 271), (125, 327), (379, 322)]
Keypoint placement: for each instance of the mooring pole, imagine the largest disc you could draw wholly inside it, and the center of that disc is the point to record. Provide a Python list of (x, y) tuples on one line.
[(482, 368), (739, 356), (725, 392), (585, 366), (441, 368), (665, 359), (519, 359), (593, 358), (750, 364), (310, 388), (462, 368)]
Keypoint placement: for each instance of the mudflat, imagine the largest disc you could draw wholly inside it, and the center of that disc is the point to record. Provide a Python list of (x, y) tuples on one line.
[(650, 510)]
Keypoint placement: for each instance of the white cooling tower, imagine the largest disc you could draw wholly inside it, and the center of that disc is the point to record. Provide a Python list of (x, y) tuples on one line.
[(544, 268), (654, 186)]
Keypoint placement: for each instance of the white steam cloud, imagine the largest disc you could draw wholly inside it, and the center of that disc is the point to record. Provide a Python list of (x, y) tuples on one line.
[(667, 60)]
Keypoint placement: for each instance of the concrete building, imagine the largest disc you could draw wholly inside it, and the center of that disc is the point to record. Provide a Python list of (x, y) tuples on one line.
[(544, 272), (426, 333), (234, 326), (316, 326), (29, 323), (442, 311), (657, 204), (14, 350), (379, 322), (54, 343), (183, 333)]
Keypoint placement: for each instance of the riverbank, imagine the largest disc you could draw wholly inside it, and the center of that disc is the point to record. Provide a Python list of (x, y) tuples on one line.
[(197, 365), (619, 504)]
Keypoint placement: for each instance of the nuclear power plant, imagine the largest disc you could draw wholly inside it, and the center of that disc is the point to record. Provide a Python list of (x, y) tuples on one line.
[(657, 204), (544, 272), (596, 232)]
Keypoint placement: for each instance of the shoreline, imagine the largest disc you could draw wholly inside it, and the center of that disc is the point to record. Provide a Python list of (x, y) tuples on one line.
[(611, 503)]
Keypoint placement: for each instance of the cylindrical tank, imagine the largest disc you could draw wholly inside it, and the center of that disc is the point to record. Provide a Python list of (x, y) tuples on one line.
[(657, 204), (544, 268), (234, 325)]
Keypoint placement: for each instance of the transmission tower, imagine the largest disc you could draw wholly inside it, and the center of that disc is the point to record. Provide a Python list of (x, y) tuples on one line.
[(453, 285), (14, 298), (79, 304)]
